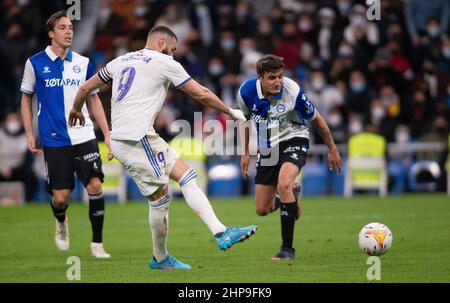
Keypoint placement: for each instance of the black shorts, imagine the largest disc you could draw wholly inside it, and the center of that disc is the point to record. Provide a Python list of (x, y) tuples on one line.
[(268, 165), (62, 162)]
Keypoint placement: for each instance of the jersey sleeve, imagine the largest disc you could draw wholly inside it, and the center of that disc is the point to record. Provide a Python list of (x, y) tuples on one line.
[(107, 72), (89, 73), (29, 79), (241, 104), (176, 74), (304, 106)]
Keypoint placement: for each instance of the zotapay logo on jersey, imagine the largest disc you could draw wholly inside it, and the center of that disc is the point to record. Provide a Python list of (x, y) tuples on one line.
[(54, 82)]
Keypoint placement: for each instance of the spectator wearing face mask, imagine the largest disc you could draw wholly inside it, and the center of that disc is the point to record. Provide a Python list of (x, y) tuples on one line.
[(307, 62), (443, 60), (361, 28), (420, 108), (227, 50), (216, 69), (288, 49), (324, 96), (265, 37), (244, 21), (359, 95), (343, 7), (328, 34), (382, 73), (15, 160), (418, 12), (250, 56), (175, 18), (383, 123)]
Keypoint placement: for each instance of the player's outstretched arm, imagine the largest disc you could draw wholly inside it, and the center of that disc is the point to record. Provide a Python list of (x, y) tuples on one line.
[(208, 98), (244, 130), (95, 108), (83, 92), (27, 118), (334, 159)]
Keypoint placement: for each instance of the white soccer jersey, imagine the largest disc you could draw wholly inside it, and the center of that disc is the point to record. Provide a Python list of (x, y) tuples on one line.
[(281, 118), (56, 83), (140, 81)]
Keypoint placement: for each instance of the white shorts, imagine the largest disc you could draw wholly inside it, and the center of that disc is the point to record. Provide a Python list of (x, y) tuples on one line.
[(148, 161)]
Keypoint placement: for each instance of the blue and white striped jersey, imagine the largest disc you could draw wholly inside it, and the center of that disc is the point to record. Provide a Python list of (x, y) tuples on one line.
[(56, 83), (280, 119)]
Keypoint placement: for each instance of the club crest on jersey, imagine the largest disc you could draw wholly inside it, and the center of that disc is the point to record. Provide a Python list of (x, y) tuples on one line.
[(280, 108), (77, 69)]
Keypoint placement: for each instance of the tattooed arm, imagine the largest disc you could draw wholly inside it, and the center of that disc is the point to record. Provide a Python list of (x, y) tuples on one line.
[(334, 159)]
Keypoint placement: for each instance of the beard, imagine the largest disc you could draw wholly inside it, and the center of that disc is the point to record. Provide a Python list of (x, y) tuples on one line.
[(165, 51)]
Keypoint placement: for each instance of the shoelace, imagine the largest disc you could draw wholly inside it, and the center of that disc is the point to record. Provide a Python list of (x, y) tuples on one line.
[(62, 232)]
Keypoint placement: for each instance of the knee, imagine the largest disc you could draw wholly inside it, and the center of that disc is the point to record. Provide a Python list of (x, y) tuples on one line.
[(60, 199), (284, 187), (94, 186), (159, 194), (260, 211)]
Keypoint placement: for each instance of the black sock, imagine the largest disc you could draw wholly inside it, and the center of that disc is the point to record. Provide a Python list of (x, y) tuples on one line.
[(276, 204), (96, 216), (288, 212), (59, 214)]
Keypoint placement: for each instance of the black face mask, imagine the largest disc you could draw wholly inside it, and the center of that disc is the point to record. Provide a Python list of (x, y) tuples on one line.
[(441, 130)]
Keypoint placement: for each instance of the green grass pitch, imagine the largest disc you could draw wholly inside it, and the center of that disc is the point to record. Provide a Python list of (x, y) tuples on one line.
[(326, 241)]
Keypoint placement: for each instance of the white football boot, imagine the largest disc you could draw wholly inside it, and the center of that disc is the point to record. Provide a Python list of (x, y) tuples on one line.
[(62, 240), (98, 251)]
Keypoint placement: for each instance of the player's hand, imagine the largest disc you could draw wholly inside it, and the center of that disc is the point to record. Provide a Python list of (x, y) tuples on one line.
[(334, 160), (237, 115), (244, 165), (75, 116), (33, 146), (110, 156)]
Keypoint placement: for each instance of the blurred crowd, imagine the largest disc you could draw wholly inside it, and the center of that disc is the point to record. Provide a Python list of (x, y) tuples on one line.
[(391, 76)]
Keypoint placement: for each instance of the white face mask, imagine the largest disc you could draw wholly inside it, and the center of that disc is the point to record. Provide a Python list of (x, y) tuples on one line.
[(317, 84), (355, 127), (378, 113), (13, 127), (402, 136), (140, 11), (334, 120)]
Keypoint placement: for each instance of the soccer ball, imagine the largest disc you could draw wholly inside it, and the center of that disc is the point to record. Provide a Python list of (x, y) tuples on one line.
[(375, 239)]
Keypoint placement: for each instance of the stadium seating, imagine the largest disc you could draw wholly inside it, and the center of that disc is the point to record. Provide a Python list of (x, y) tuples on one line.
[(423, 176)]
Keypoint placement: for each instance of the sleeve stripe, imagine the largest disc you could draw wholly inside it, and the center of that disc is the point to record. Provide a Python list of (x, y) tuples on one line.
[(105, 69), (104, 74), (26, 91), (105, 78), (95, 91), (190, 78)]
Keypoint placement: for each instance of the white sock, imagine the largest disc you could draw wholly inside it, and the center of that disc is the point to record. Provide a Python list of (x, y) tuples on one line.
[(197, 200), (158, 218)]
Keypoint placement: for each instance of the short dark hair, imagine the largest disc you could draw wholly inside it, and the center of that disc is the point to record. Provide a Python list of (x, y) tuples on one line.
[(51, 22), (162, 29), (268, 63)]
